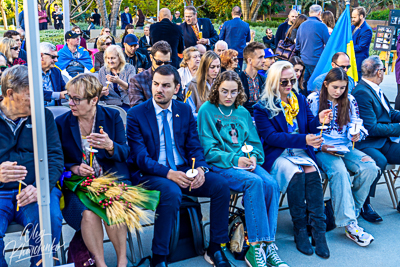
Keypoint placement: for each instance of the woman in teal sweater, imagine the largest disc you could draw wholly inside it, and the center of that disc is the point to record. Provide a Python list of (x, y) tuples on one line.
[(225, 127)]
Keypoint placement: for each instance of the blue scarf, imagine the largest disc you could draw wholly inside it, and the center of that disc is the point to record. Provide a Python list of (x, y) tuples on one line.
[(65, 57)]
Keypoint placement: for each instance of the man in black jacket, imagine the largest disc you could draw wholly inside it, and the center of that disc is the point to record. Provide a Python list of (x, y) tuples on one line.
[(253, 82), (284, 27), (58, 17), (167, 31), (132, 56), (17, 164)]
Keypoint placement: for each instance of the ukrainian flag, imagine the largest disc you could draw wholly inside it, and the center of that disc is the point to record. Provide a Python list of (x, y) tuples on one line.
[(341, 40)]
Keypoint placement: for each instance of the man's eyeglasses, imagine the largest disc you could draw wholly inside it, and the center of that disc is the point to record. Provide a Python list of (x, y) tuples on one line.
[(285, 83), (3, 68), (343, 67), (15, 48), (75, 100), (384, 69), (107, 44), (159, 62), (52, 56)]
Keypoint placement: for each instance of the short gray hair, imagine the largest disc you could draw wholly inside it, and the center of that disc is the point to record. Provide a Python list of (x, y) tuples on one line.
[(315, 9), (221, 42), (15, 78), (46, 47), (370, 66)]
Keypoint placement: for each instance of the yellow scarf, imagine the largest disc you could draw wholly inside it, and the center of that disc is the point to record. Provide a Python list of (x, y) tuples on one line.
[(291, 109)]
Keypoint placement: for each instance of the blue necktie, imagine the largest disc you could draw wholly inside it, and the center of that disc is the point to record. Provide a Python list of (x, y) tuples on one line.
[(168, 141)]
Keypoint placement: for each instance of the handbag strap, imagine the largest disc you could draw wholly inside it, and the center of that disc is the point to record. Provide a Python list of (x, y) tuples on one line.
[(197, 229)]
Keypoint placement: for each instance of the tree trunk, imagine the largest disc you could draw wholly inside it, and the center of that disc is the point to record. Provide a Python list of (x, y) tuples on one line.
[(114, 14), (245, 9), (101, 5), (3, 15), (255, 6), (49, 3)]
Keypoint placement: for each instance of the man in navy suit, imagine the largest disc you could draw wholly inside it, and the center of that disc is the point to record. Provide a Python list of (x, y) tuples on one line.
[(162, 136), (381, 121), (362, 35), (53, 83), (198, 31), (167, 31), (126, 18)]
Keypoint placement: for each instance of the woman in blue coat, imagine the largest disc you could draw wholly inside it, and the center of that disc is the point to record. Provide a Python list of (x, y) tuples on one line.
[(90, 125), (286, 127)]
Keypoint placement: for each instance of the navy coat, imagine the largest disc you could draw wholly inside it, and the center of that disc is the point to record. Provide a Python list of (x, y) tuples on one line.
[(68, 128), (125, 21), (362, 40), (274, 132), (58, 84), (144, 140), (206, 27)]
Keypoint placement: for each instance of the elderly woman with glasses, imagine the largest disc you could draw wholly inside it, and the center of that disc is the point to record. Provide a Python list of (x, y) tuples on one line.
[(103, 42), (287, 129), (115, 76), (10, 49), (90, 125), (189, 65), (229, 61)]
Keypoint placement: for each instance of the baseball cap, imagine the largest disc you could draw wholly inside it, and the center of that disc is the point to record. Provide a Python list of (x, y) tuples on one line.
[(269, 53), (70, 35), (131, 39)]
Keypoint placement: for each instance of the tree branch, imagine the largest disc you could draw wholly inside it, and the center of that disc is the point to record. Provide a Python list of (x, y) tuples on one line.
[(204, 3), (80, 5), (84, 11)]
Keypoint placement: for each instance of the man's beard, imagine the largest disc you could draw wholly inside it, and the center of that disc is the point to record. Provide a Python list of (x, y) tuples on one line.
[(357, 23)]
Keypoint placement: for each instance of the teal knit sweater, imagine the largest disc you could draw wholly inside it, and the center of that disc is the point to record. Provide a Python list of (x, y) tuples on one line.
[(222, 137)]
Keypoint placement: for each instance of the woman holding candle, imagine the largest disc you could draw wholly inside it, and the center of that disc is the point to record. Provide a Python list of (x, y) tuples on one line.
[(242, 170), (189, 65), (287, 127), (86, 126), (348, 196), (117, 73)]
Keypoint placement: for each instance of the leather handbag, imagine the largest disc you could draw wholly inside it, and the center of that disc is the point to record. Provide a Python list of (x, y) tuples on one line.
[(238, 234), (286, 49), (78, 253)]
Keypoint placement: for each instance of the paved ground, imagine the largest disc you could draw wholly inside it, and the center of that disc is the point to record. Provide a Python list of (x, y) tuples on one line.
[(383, 252)]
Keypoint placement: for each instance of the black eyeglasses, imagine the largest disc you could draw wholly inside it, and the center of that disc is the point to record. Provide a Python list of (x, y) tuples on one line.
[(159, 62), (384, 69), (235, 59), (343, 67), (52, 56), (15, 48), (285, 83), (107, 31), (75, 100)]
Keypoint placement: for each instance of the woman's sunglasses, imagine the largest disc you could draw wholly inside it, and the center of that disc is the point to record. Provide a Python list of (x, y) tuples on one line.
[(107, 44), (15, 48), (235, 59), (285, 83)]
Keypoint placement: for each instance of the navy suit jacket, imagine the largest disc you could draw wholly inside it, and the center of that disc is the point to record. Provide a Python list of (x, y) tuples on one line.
[(58, 84), (206, 27), (68, 128), (274, 132), (167, 31), (125, 21), (144, 140), (379, 123), (362, 40)]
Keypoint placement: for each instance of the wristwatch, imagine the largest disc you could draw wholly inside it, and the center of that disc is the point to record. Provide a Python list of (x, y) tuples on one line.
[(205, 169)]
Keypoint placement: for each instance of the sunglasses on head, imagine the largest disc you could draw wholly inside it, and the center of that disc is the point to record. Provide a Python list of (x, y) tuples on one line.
[(52, 56), (285, 83), (14, 48), (159, 62)]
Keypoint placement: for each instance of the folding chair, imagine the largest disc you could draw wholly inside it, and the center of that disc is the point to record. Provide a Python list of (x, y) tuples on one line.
[(390, 174)]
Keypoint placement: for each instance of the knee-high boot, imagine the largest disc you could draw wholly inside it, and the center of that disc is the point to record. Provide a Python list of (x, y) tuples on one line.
[(297, 206)]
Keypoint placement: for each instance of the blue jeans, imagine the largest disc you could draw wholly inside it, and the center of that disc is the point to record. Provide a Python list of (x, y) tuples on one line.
[(347, 200), (261, 200), (309, 69), (28, 216)]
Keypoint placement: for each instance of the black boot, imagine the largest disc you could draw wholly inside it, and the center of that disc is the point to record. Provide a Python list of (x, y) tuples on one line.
[(297, 207), (315, 205)]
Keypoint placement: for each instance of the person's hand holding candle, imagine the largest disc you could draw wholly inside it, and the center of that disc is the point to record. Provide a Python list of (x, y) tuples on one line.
[(325, 116), (27, 196)]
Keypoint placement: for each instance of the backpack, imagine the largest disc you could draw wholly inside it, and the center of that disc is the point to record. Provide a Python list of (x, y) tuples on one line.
[(238, 234), (187, 238), (78, 253), (286, 49)]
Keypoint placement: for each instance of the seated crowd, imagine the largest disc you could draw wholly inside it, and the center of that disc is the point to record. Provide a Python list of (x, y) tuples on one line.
[(208, 109)]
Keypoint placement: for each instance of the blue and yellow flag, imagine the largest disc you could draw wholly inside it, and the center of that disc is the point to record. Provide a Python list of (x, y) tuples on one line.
[(341, 40)]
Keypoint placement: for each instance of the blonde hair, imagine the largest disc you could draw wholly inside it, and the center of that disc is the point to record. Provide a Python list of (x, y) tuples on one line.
[(101, 40), (271, 91), (102, 30), (187, 56), (5, 48), (120, 54), (86, 85), (202, 71)]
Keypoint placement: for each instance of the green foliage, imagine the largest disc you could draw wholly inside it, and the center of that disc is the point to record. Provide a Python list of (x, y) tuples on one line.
[(267, 24), (379, 14), (260, 31), (52, 36)]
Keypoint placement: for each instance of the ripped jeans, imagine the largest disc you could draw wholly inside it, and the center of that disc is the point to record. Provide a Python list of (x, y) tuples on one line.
[(348, 193)]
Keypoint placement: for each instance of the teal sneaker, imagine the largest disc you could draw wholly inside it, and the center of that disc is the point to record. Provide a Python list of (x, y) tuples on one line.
[(255, 256), (272, 257)]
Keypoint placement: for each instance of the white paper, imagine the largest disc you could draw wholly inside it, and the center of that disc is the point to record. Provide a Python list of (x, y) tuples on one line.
[(243, 168), (339, 148), (298, 160)]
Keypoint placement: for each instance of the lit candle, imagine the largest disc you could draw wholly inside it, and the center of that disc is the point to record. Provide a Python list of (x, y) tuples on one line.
[(248, 154), (19, 192), (194, 159), (91, 157), (323, 124)]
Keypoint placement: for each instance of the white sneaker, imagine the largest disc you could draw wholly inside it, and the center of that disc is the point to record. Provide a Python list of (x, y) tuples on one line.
[(357, 234)]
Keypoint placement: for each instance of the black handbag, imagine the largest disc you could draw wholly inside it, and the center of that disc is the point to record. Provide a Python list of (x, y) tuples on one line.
[(330, 217), (286, 49), (187, 238), (238, 234)]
